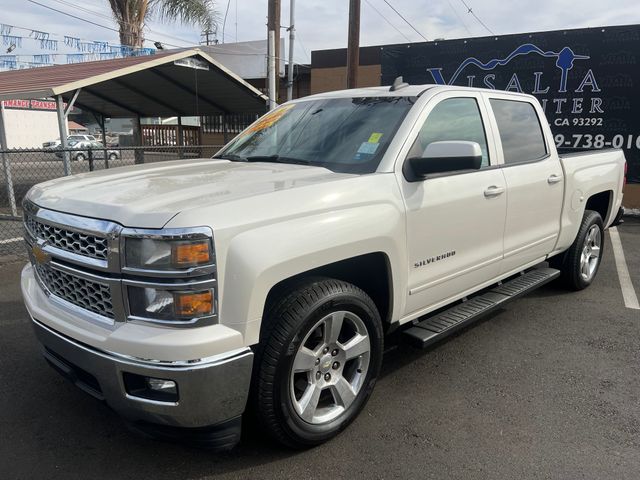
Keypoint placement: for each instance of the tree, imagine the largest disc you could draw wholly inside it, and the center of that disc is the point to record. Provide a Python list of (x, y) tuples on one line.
[(131, 15)]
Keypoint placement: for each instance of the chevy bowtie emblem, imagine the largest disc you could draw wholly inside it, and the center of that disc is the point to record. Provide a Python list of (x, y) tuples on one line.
[(40, 255)]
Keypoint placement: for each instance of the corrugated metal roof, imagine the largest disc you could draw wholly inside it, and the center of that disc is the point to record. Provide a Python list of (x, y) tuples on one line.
[(148, 86)]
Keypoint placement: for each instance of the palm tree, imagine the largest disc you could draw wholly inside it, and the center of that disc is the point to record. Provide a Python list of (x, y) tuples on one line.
[(131, 15)]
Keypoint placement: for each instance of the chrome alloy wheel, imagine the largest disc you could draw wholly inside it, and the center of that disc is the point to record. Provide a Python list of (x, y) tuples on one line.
[(330, 367), (590, 256)]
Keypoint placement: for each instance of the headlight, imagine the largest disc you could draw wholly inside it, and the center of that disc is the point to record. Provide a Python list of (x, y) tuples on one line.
[(152, 253), (170, 276), (171, 305)]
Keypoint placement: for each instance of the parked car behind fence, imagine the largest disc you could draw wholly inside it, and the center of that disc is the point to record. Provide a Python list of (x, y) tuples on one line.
[(70, 139), (86, 149)]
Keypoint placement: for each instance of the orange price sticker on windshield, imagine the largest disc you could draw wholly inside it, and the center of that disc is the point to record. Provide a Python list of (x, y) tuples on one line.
[(269, 119)]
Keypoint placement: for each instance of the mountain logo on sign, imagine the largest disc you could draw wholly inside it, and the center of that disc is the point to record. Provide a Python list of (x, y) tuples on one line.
[(565, 59)]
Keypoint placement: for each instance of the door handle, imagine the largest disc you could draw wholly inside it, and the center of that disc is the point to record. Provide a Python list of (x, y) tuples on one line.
[(493, 191), (554, 179)]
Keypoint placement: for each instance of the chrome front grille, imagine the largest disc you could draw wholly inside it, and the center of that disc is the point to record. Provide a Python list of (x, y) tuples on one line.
[(71, 241), (92, 296), (79, 263)]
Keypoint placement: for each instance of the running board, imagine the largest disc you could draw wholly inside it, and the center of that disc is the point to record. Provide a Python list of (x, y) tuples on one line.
[(435, 328)]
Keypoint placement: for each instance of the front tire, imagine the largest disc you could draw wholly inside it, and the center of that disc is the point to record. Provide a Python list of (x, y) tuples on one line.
[(318, 362), (579, 265)]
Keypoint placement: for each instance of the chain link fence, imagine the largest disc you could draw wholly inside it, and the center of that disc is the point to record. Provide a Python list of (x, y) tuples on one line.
[(23, 168)]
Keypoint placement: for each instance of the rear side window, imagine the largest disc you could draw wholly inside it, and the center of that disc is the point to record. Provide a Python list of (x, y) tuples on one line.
[(520, 131)]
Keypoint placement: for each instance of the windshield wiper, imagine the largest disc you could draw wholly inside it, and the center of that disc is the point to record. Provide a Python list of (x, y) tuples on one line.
[(232, 157), (278, 159)]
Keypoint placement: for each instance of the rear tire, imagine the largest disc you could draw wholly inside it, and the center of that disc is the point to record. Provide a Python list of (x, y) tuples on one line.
[(318, 361), (579, 265)]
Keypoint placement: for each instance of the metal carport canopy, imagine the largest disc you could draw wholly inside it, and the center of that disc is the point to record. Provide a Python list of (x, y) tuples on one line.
[(146, 86)]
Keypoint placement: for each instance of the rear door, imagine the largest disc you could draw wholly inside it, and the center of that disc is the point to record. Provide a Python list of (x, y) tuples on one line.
[(455, 221), (534, 180)]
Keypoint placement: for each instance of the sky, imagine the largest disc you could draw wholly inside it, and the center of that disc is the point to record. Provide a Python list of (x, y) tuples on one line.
[(322, 24)]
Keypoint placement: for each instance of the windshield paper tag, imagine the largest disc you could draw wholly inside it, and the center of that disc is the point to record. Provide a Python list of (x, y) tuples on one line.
[(368, 148), (375, 137)]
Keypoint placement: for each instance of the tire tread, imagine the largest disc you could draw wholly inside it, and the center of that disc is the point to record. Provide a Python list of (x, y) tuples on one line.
[(282, 319), (569, 262)]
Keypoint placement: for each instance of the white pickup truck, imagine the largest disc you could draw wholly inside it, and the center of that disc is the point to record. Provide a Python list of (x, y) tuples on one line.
[(266, 278)]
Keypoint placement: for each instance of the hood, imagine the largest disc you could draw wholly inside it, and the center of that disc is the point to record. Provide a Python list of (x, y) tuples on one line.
[(148, 196)]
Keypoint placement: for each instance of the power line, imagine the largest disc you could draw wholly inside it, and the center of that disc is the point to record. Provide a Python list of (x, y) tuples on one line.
[(219, 50), (93, 23), (470, 10), (459, 17), (73, 16), (224, 23), (110, 18), (212, 48), (304, 49), (405, 20), (387, 20)]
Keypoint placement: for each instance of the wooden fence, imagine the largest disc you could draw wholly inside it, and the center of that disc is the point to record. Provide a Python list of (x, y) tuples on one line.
[(167, 135)]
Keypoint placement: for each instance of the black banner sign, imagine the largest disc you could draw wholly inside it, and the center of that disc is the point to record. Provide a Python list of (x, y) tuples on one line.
[(588, 80)]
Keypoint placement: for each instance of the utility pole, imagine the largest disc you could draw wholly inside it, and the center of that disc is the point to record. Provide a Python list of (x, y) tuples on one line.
[(271, 71), (353, 45), (205, 37), (273, 50), (292, 36)]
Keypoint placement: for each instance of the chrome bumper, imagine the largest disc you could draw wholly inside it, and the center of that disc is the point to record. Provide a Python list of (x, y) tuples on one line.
[(210, 391)]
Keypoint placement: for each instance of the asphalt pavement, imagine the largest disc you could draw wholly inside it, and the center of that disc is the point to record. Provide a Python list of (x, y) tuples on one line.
[(548, 388)]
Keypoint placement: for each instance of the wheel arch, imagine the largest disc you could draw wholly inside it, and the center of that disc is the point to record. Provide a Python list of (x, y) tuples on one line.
[(602, 203), (370, 272)]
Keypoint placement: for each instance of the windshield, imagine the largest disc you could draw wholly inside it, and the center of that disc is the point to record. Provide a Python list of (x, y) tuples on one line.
[(341, 134)]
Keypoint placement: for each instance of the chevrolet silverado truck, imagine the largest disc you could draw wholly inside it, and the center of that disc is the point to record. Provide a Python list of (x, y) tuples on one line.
[(186, 294)]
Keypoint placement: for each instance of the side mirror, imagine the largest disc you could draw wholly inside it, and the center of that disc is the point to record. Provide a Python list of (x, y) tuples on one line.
[(441, 157)]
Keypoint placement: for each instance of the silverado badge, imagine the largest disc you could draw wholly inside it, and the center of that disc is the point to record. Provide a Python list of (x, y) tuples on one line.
[(40, 256)]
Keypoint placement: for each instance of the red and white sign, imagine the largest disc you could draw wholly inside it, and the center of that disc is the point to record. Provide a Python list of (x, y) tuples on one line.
[(31, 104)]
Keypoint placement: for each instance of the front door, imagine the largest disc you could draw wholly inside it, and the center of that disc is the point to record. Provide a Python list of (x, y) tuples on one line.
[(455, 221)]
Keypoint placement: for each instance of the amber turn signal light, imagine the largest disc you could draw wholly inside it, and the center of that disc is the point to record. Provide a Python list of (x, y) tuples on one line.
[(193, 304), (191, 253)]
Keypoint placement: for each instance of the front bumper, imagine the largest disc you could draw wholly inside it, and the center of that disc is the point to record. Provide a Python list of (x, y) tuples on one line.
[(210, 391)]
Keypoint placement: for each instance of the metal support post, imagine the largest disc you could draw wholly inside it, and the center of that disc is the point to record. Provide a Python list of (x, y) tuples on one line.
[(104, 142), (6, 162), (225, 129), (292, 36), (180, 139), (62, 128), (138, 140)]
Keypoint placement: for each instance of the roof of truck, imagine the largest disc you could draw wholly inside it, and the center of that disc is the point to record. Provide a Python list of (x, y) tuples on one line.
[(406, 91)]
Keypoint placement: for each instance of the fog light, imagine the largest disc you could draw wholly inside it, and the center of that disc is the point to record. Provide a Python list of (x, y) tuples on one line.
[(158, 389), (161, 385)]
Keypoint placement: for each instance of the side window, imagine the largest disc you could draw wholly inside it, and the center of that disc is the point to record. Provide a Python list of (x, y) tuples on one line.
[(453, 119), (520, 131)]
